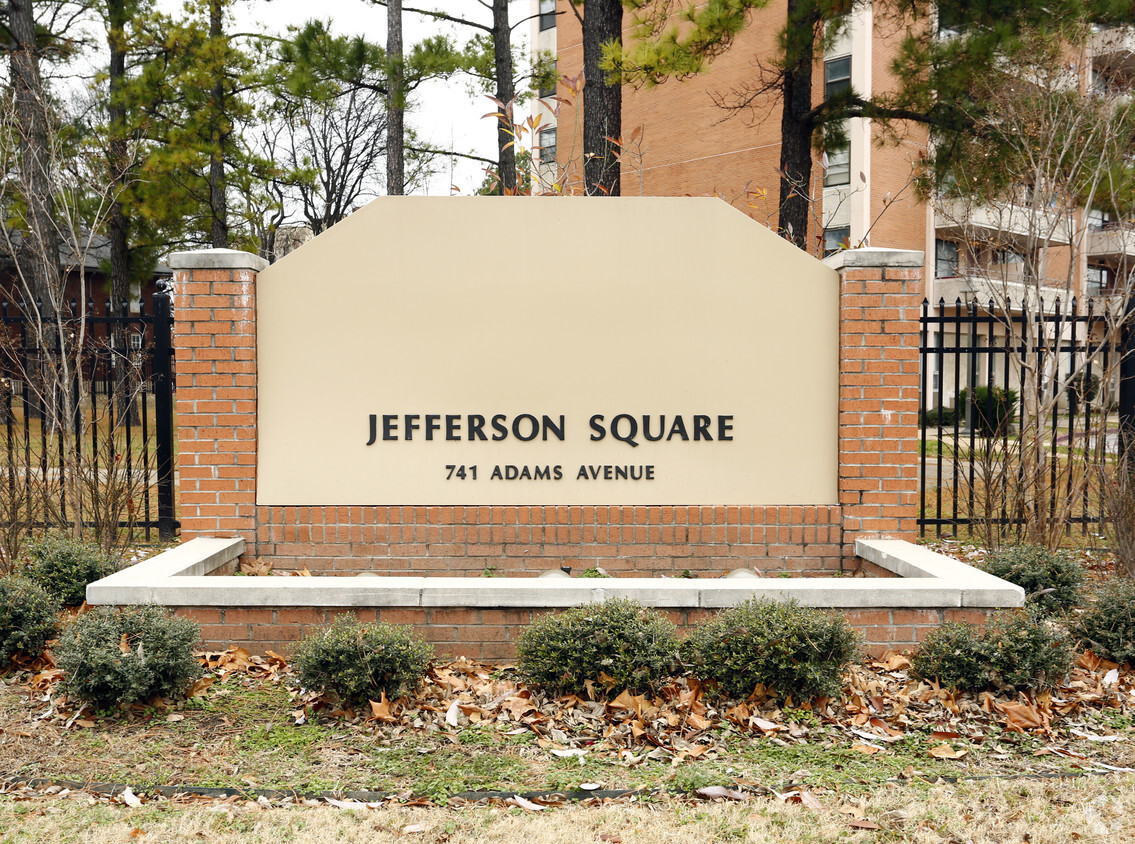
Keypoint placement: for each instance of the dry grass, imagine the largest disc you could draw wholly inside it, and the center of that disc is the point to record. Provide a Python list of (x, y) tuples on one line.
[(1039, 812)]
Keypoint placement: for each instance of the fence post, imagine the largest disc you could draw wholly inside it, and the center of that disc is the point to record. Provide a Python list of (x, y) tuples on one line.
[(1127, 382), (163, 414)]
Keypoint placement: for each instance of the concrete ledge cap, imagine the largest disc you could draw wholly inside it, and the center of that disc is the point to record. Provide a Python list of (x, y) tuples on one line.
[(217, 259), (178, 578), (870, 257)]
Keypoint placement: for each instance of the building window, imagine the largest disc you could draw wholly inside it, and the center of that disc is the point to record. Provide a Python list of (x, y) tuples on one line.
[(544, 93), (837, 76), (547, 14), (837, 167), (1098, 219), (135, 341), (945, 259), (836, 240), (547, 147), (1007, 256), (1098, 280)]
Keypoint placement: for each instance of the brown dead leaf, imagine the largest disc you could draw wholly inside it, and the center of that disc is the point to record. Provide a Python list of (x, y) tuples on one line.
[(202, 686), (892, 661), (380, 710), (629, 702), (718, 792), (867, 749), (767, 726), (1021, 716), (944, 751), (810, 800), (124, 643), (863, 824), (610, 838), (698, 722), (518, 706), (257, 568)]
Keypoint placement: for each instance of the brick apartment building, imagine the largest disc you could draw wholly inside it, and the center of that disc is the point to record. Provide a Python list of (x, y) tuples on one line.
[(862, 195)]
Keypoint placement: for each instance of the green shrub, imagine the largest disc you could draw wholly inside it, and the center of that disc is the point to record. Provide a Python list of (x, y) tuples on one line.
[(994, 409), (1027, 652), (1020, 651), (954, 655), (796, 651), (635, 646), (64, 566), (1051, 579), (111, 656), (360, 662), (935, 416), (28, 615), (1108, 627)]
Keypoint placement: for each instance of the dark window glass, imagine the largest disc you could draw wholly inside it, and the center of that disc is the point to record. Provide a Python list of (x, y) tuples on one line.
[(836, 239), (547, 14), (837, 76), (945, 259)]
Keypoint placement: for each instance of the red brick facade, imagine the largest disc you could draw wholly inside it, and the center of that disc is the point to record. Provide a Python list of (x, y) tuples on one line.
[(491, 634)]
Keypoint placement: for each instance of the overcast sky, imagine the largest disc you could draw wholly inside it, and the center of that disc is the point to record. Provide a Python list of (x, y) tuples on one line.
[(445, 114)]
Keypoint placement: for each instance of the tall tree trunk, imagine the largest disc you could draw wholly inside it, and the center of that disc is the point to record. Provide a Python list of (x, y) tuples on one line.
[(117, 223), (506, 92), (796, 124), (602, 103), (395, 140), (39, 258), (219, 135)]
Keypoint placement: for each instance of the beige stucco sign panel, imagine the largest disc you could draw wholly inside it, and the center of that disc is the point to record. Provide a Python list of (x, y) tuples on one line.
[(442, 351)]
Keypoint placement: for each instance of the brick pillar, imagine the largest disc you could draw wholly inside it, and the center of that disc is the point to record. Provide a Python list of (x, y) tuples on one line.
[(880, 296), (214, 298)]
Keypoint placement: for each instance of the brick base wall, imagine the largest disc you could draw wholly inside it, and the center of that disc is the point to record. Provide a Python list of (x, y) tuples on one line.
[(490, 634), (470, 541)]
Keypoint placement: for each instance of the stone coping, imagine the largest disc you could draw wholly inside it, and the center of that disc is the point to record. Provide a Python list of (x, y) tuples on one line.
[(179, 577)]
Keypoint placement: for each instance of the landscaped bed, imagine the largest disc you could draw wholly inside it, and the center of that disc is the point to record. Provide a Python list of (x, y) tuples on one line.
[(891, 755)]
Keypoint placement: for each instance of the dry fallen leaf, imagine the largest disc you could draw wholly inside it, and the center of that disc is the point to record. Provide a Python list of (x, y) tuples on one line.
[(863, 824), (868, 749), (1021, 716), (944, 751), (130, 798), (715, 792), (810, 800), (380, 710), (523, 803)]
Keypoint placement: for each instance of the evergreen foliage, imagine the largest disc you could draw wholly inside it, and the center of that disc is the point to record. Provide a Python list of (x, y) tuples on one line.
[(1108, 626), (1051, 579), (796, 652), (64, 566), (1020, 651), (633, 647), (361, 662), (28, 616), (115, 656)]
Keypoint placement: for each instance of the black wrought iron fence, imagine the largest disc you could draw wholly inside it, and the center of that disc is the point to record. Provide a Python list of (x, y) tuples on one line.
[(1019, 409), (89, 440)]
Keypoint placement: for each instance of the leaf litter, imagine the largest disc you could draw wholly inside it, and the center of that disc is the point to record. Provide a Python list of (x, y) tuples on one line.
[(882, 712)]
